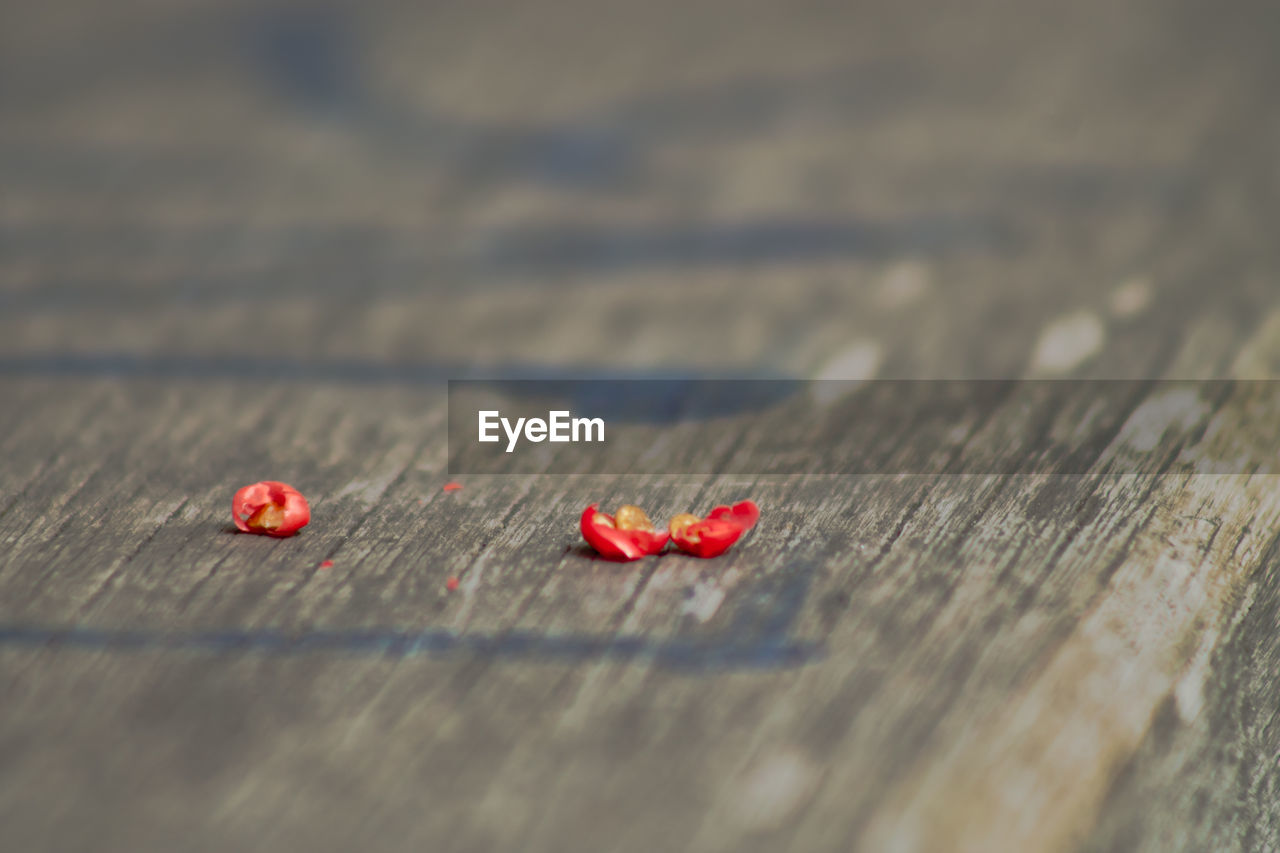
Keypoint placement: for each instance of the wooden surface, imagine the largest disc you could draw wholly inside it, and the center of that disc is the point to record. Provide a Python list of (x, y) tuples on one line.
[(241, 242)]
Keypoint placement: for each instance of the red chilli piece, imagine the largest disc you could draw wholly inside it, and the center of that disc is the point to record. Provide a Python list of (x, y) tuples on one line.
[(715, 534), (326, 564), (745, 513), (451, 584), (270, 508), (452, 487), (629, 535)]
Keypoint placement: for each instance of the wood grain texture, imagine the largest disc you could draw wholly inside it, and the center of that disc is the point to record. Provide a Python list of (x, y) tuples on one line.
[(243, 241)]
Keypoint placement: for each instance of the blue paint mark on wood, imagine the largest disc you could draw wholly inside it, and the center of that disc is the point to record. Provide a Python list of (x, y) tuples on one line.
[(309, 56), (694, 656), (353, 371), (651, 396)]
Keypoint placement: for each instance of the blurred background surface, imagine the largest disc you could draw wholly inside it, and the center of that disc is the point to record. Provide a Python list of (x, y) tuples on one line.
[(919, 186)]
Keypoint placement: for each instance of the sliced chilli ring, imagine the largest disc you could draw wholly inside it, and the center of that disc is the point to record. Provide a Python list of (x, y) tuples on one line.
[(270, 508), (744, 513)]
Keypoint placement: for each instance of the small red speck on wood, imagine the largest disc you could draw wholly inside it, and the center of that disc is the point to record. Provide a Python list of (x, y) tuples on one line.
[(326, 564), (451, 584), (452, 486)]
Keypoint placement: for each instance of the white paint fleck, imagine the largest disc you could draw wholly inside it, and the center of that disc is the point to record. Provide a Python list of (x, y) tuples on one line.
[(1259, 356), (469, 594), (367, 491), (859, 361), (774, 789), (1188, 693), (704, 602), (164, 511), (1131, 298), (1179, 408), (1067, 342), (846, 370), (904, 284)]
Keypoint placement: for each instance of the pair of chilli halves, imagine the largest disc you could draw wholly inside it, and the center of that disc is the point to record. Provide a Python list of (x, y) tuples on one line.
[(630, 535)]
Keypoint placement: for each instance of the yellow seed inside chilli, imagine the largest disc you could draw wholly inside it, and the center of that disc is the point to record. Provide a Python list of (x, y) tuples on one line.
[(682, 521), (633, 518), (270, 517)]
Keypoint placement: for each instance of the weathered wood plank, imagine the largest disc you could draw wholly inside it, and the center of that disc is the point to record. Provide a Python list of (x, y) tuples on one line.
[(239, 242)]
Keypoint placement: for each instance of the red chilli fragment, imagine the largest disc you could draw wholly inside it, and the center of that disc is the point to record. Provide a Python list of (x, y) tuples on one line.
[(452, 487), (628, 536), (326, 564), (270, 508), (713, 535), (451, 584)]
